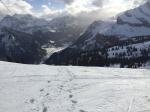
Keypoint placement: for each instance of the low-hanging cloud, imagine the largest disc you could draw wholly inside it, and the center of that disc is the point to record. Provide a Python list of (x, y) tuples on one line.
[(92, 9)]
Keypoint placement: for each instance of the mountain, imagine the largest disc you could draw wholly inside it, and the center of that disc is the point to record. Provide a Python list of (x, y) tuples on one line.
[(20, 47), (132, 23), (71, 27), (68, 27), (54, 34), (26, 23), (129, 35)]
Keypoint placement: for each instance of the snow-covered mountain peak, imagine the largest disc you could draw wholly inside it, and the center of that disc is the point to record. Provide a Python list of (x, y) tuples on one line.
[(100, 27), (132, 23), (68, 26), (25, 23), (136, 17), (28, 24)]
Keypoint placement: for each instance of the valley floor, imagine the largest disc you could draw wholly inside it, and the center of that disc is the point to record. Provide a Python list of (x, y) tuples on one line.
[(42, 88)]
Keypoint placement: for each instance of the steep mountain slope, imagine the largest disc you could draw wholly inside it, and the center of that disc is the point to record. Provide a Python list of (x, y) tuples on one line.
[(130, 23), (16, 46), (41, 88), (92, 48)]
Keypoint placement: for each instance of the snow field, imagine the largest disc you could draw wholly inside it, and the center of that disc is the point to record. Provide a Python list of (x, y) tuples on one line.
[(42, 88)]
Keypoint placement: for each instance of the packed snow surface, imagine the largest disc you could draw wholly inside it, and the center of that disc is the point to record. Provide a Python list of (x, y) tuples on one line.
[(42, 88)]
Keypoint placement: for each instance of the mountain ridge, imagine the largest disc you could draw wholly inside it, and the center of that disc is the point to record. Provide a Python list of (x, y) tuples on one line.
[(91, 49)]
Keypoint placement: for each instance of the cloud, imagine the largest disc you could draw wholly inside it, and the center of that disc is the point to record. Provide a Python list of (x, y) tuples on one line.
[(15, 7), (88, 9), (92, 9), (49, 13), (99, 3), (79, 6), (66, 1)]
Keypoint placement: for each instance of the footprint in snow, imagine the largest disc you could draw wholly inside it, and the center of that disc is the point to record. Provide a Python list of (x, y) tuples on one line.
[(41, 90), (44, 109), (74, 102), (32, 100), (82, 111), (70, 96), (48, 81), (47, 94)]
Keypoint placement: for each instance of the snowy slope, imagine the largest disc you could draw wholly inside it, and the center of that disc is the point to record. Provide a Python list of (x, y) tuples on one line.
[(30, 88), (134, 22), (128, 53)]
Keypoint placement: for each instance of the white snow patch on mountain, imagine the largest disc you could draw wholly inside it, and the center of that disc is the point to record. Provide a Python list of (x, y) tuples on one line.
[(124, 50)]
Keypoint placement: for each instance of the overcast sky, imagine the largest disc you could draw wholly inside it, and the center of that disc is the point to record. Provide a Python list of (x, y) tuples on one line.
[(52, 8)]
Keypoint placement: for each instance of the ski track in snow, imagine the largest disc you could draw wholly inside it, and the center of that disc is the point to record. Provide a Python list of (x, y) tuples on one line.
[(31, 88)]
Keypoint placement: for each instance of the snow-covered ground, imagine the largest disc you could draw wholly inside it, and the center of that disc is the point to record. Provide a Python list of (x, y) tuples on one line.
[(42, 88)]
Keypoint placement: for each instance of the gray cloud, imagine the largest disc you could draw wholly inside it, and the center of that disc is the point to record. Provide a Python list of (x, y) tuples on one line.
[(15, 6), (65, 1), (99, 3), (92, 9), (88, 9)]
